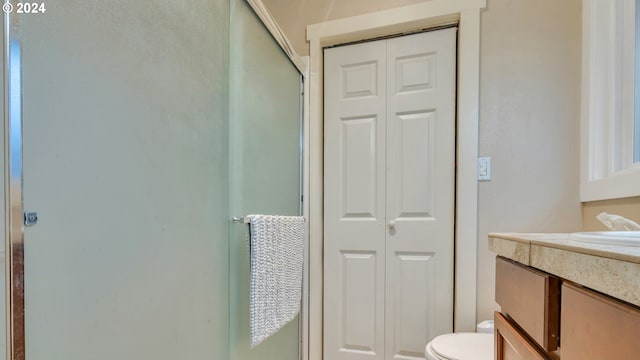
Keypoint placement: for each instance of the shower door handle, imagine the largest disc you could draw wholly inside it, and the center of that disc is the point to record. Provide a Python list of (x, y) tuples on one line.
[(30, 218)]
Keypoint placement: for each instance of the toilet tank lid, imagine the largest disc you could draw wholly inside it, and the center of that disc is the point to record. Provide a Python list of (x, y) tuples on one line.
[(464, 346)]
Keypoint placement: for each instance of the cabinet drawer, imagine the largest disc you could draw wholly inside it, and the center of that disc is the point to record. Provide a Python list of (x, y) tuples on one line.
[(595, 326), (532, 299), (510, 344)]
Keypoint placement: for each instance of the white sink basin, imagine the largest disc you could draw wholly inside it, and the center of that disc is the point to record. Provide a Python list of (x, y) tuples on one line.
[(624, 238)]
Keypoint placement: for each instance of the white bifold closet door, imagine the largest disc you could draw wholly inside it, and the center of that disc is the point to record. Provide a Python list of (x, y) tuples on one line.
[(389, 178)]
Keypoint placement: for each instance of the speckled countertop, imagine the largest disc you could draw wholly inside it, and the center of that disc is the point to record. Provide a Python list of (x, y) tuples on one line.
[(610, 269)]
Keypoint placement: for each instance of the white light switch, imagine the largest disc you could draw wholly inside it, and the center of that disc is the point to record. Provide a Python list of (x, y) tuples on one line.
[(484, 168)]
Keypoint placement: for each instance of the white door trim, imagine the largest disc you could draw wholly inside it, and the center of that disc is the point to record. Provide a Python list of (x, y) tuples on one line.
[(428, 14)]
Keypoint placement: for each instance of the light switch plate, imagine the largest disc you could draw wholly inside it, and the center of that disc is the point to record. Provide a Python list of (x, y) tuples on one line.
[(484, 168)]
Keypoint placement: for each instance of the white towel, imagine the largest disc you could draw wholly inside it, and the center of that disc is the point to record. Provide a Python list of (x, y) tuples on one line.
[(276, 253)]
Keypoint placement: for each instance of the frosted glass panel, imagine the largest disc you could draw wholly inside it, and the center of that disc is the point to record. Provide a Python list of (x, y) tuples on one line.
[(264, 163), (126, 162)]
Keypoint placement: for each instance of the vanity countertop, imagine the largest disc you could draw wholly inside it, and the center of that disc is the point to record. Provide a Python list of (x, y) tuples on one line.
[(610, 269)]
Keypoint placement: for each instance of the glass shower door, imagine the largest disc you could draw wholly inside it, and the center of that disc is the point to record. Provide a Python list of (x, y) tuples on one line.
[(125, 143), (265, 171)]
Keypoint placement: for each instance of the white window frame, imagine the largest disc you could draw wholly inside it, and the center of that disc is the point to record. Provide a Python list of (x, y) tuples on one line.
[(607, 118)]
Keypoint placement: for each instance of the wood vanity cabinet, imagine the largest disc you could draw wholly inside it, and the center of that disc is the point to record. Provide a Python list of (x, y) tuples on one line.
[(511, 343), (596, 326), (544, 317), (531, 298), (528, 327)]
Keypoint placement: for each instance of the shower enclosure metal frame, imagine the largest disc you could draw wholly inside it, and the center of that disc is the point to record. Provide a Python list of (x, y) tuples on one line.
[(14, 212)]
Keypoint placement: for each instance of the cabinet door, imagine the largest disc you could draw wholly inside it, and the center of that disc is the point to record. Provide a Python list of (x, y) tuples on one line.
[(532, 299), (596, 327), (511, 344)]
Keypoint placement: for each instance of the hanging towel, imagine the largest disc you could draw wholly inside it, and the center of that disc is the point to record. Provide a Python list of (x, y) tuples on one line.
[(276, 256)]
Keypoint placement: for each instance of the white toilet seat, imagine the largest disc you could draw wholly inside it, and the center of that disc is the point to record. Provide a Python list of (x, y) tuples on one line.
[(461, 346), (431, 355)]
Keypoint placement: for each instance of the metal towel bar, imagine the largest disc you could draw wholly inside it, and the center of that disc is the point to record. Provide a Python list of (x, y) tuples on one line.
[(237, 220)]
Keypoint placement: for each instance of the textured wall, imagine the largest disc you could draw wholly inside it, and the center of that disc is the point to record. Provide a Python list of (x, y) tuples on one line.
[(529, 124)]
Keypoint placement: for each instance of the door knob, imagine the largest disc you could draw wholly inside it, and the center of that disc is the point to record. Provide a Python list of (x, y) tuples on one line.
[(391, 224)]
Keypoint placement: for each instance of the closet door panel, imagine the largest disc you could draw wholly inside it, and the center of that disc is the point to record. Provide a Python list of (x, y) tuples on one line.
[(419, 190), (389, 196), (354, 178)]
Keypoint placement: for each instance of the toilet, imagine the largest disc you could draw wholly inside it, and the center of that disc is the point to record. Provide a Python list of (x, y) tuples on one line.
[(463, 346)]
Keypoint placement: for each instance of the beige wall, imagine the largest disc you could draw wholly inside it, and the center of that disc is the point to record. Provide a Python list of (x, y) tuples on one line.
[(294, 16), (629, 208), (529, 121), (529, 113)]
